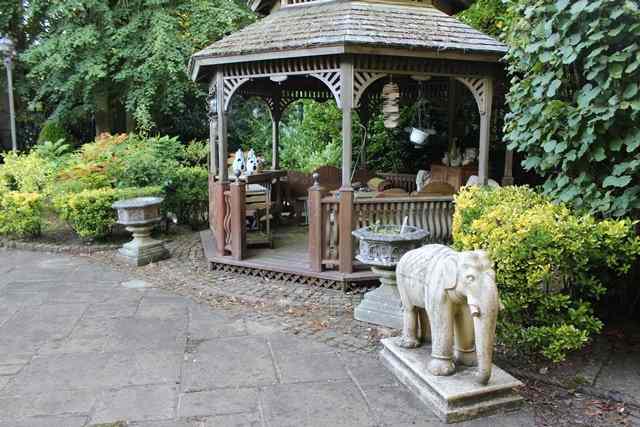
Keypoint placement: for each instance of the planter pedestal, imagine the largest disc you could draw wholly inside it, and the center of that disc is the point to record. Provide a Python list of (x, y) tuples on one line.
[(143, 249), (138, 216), (382, 306), (381, 247)]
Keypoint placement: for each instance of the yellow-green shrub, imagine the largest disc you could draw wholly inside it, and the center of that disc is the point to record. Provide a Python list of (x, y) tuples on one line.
[(550, 264), (26, 173), (89, 212), (20, 214)]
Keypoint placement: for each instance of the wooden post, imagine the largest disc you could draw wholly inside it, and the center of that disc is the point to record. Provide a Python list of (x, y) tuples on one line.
[(238, 220), (275, 142), (485, 132), (346, 99), (452, 104), (212, 202), (345, 221), (507, 179), (220, 211), (222, 129), (316, 238)]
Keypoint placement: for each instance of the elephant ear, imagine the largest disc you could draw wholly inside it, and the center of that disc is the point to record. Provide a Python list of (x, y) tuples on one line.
[(448, 273)]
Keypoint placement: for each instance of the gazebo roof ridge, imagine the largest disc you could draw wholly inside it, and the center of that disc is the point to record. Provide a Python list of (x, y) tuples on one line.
[(344, 26)]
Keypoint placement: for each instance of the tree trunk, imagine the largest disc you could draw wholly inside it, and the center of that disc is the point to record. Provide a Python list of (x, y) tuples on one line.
[(103, 113)]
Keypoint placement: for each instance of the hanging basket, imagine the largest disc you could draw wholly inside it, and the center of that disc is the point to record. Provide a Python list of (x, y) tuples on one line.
[(391, 105)]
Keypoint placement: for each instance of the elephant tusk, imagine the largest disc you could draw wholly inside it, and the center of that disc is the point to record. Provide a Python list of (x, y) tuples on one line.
[(475, 310)]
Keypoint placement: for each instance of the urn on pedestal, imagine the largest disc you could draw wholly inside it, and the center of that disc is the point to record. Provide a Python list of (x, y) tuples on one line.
[(139, 215), (381, 247)]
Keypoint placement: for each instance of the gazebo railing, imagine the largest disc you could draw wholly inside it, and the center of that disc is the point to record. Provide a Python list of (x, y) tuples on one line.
[(326, 229)]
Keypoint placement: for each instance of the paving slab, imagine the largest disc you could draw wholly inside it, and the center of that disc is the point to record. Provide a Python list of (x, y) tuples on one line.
[(338, 404), (204, 324), (235, 420), (229, 362), (218, 402), (45, 404), (64, 421), (304, 367), (141, 403)]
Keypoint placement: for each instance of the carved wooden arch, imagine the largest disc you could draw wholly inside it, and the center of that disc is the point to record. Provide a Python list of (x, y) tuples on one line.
[(277, 105), (333, 80), (480, 89), (231, 85), (361, 81)]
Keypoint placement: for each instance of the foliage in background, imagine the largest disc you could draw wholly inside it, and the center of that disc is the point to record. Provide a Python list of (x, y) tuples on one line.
[(551, 264), (126, 55), (20, 214), (575, 100), (187, 195), (89, 212), (53, 131), (488, 16), (27, 173)]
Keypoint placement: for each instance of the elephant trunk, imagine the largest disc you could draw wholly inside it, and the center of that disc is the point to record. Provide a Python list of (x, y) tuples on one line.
[(484, 323)]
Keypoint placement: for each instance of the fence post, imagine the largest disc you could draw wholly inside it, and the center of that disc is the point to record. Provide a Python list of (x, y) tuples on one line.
[(345, 227), (220, 211), (314, 212), (238, 220)]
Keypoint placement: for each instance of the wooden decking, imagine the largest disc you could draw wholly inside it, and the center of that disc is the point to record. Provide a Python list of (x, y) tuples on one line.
[(288, 260)]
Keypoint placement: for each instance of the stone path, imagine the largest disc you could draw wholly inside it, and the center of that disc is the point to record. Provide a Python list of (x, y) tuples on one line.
[(82, 344)]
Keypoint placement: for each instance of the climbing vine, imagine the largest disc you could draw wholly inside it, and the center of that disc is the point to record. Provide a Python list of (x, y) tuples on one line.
[(575, 100)]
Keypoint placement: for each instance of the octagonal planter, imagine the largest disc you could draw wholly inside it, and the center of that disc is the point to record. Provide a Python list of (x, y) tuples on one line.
[(381, 247), (139, 215)]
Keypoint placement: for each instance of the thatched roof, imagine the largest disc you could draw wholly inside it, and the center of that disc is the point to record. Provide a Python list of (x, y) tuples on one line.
[(356, 23)]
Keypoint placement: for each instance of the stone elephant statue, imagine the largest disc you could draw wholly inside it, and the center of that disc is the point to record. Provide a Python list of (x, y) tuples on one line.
[(458, 291)]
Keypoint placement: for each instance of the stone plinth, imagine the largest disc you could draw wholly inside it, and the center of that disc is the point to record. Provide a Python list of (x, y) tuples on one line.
[(456, 397), (139, 215), (382, 306)]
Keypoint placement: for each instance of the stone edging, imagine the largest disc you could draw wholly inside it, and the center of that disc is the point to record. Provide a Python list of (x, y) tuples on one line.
[(55, 248)]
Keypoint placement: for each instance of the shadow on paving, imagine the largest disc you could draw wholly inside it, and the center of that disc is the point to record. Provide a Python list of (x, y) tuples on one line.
[(81, 346)]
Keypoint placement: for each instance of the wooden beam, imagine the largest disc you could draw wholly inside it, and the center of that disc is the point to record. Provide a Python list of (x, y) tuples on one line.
[(316, 238), (485, 133), (222, 128), (452, 104), (507, 179), (345, 239), (275, 142), (346, 97)]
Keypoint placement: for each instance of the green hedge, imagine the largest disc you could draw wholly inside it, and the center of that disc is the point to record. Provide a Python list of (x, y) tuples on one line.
[(89, 212), (187, 195), (20, 214), (551, 264)]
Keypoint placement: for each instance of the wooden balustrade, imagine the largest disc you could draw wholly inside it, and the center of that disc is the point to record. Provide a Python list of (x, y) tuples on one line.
[(327, 249)]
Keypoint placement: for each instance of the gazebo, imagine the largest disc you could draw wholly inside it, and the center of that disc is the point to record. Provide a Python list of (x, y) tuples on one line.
[(345, 51)]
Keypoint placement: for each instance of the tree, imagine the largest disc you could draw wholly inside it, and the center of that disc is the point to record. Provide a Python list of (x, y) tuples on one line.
[(575, 100), (100, 57)]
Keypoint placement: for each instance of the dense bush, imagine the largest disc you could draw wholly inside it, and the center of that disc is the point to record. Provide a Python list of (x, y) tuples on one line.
[(187, 195), (551, 264), (89, 212), (53, 131), (575, 100), (20, 214), (28, 173)]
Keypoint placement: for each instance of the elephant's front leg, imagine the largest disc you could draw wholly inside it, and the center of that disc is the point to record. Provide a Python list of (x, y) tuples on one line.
[(441, 320), (409, 330), (465, 346)]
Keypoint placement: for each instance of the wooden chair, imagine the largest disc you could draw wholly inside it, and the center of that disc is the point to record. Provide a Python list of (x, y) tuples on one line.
[(435, 189), (258, 202)]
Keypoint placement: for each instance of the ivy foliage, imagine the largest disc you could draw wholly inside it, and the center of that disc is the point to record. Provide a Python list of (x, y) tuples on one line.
[(132, 53), (575, 100)]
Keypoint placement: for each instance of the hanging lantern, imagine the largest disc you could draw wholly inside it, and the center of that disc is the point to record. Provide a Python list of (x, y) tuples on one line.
[(391, 105)]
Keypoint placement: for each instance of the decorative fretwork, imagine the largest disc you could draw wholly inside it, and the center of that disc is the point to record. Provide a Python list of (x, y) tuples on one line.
[(361, 81), (424, 66), (231, 84), (289, 67), (333, 80), (478, 88)]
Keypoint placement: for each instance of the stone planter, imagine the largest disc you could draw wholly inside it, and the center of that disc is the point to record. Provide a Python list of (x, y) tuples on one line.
[(381, 247), (139, 215)]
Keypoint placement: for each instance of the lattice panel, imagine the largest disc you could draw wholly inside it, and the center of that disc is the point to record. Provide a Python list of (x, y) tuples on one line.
[(291, 66), (361, 81), (478, 88), (333, 80), (231, 84)]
